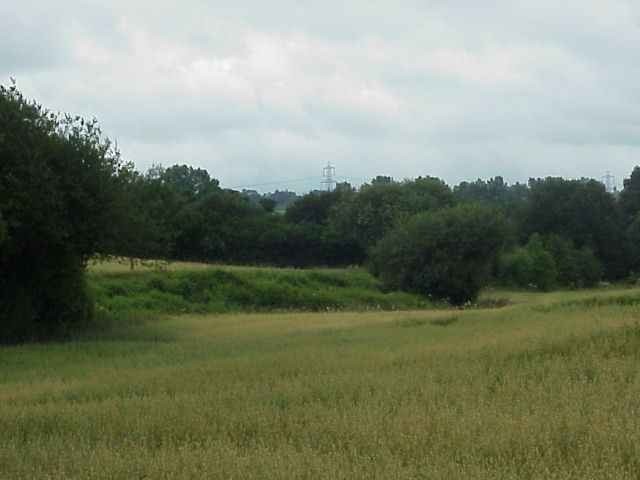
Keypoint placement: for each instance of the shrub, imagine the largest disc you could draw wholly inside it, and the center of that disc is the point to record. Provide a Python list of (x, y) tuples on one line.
[(576, 268), (515, 268), (633, 237), (529, 266), (547, 262), (445, 254)]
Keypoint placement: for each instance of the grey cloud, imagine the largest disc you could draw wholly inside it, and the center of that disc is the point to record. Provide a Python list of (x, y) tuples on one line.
[(258, 91)]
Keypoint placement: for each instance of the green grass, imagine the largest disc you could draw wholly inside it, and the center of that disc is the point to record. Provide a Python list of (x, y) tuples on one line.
[(194, 288), (547, 387)]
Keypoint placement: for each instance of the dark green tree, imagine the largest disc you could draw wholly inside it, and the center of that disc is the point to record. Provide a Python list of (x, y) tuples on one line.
[(445, 254), (630, 195), (59, 188), (365, 217), (382, 180), (148, 210), (576, 268), (268, 204), (531, 266), (188, 181), (582, 212), (633, 235), (495, 192), (315, 207)]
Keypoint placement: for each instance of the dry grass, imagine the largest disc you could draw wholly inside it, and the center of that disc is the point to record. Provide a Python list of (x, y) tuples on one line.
[(520, 392), (118, 265)]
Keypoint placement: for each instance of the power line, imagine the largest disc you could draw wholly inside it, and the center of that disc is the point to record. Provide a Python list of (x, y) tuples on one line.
[(334, 180), (277, 182)]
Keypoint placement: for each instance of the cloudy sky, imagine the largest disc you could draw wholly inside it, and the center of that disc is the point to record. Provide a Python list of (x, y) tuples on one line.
[(268, 91)]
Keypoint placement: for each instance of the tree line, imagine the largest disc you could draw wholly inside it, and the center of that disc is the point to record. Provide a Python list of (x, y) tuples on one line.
[(66, 195)]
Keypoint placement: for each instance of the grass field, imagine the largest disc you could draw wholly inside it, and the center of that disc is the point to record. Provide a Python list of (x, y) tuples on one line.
[(548, 387)]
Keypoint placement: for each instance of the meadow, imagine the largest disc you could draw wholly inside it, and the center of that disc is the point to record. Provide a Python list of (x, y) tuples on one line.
[(156, 288), (547, 386)]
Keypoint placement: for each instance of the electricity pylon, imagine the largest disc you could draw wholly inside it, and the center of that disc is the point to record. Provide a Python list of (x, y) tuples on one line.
[(328, 173)]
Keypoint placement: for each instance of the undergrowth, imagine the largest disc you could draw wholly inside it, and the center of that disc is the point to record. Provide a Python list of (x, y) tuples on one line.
[(217, 290)]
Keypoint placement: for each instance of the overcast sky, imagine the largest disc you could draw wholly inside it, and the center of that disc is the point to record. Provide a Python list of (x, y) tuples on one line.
[(262, 91)]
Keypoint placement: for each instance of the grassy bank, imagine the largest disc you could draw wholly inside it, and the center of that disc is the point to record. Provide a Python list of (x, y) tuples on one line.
[(547, 387), (197, 288)]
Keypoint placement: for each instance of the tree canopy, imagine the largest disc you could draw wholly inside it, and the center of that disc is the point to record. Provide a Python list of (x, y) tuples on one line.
[(581, 211), (630, 196), (445, 254), (66, 195), (59, 190)]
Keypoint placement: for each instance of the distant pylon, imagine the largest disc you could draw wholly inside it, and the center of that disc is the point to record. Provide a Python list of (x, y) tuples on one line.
[(328, 173), (609, 182)]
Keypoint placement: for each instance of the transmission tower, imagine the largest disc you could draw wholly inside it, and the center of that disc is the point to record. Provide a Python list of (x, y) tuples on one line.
[(609, 182), (328, 173)]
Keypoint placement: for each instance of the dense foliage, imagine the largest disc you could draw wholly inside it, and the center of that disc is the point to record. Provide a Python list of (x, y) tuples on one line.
[(583, 212), (66, 195), (557, 232), (251, 289), (59, 187), (548, 262), (446, 254)]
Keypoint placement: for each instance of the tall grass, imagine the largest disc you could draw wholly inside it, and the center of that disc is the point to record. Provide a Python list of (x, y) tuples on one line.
[(224, 289), (521, 392)]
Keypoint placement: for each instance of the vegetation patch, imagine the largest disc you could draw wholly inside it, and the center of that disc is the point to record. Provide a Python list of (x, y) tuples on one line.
[(630, 300), (505, 394), (220, 290)]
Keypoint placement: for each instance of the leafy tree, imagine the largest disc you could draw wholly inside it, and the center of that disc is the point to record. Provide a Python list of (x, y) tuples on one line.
[(445, 254), (283, 198), (543, 266), (630, 195), (530, 266), (582, 212), (59, 185), (546, 262), (365, 217), (268, 204), (495, 192), (515, 268), (382, 180), (147, 209), (576, 268), (188, 181), (633, 235), (315, 207)]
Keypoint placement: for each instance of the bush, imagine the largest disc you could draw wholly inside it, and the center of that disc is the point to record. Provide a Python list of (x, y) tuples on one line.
[(258, 289), (529, 266), (633, 237), (577, 268), (58, 188), (547, 262), (446, 254)]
